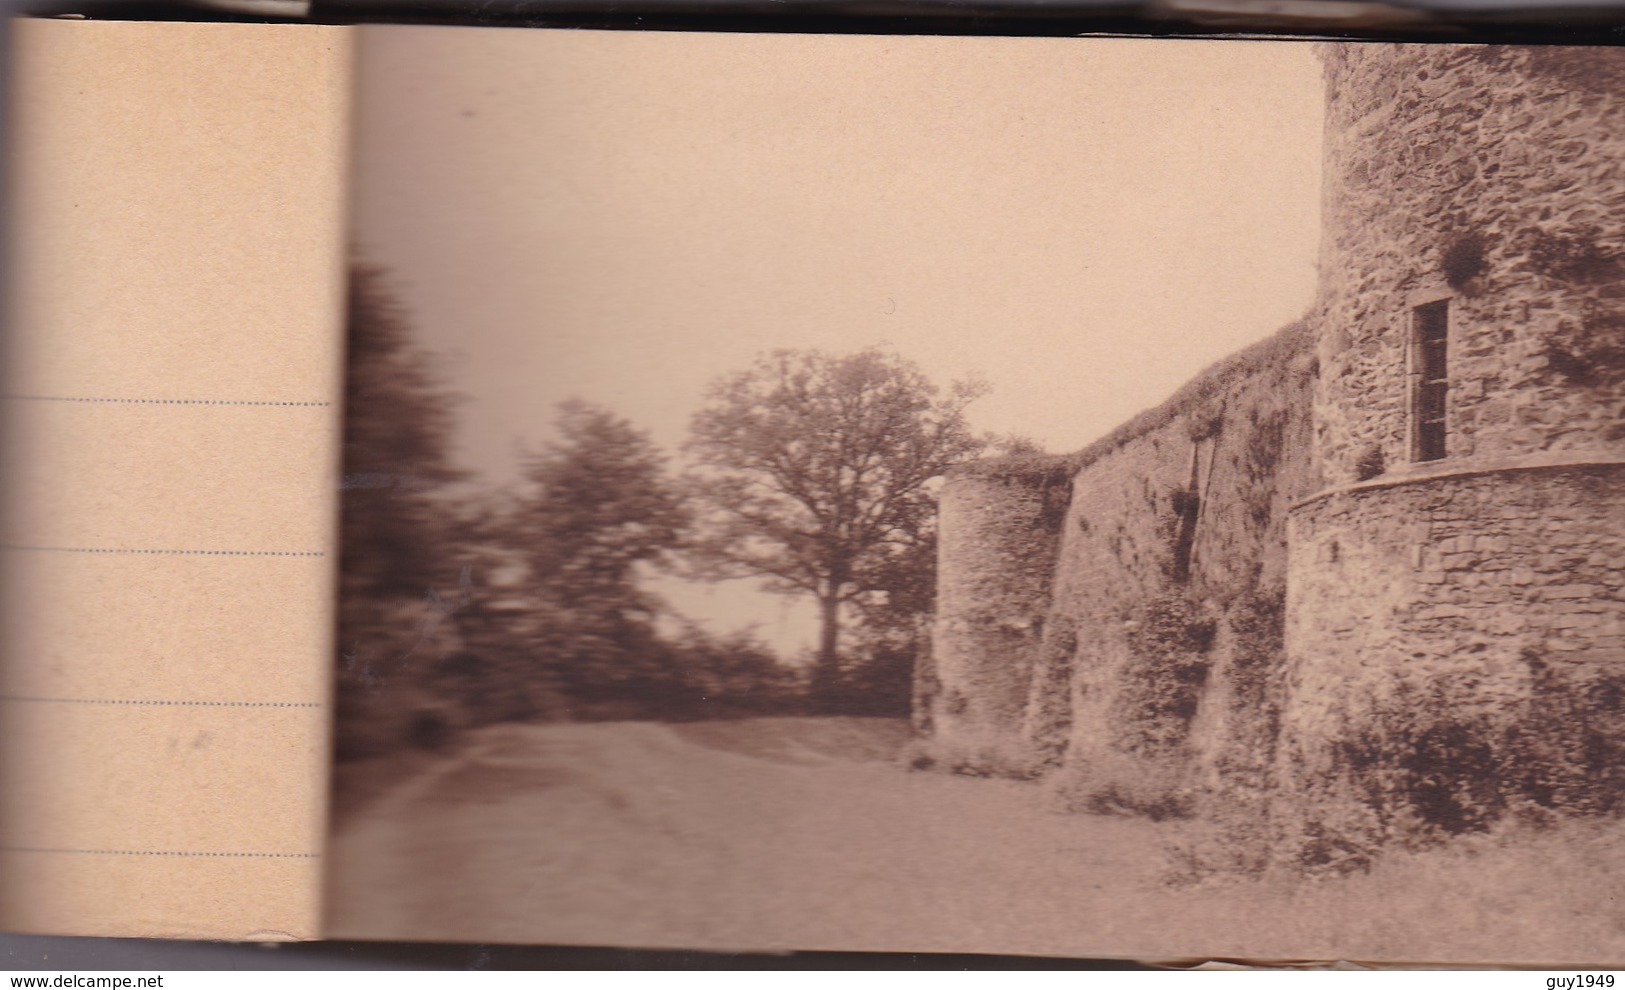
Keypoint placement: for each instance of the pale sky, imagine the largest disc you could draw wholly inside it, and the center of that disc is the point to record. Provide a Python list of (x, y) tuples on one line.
[(622, 216)]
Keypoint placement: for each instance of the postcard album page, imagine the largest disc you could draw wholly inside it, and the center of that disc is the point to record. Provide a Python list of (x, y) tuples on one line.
[(171, 406)]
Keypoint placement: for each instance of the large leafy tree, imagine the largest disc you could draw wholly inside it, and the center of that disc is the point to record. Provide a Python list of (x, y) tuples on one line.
[(817, 471)]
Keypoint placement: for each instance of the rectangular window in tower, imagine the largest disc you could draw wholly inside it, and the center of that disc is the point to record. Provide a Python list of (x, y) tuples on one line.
[(1430, 384)]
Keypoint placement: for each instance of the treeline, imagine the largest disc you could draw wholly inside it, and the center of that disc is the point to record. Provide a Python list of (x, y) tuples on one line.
[(808, 473)]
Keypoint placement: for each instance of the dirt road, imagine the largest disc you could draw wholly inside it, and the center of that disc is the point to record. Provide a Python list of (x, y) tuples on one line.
[(809, 834)]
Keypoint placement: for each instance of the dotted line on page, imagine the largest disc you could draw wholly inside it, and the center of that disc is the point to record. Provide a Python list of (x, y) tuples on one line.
[(162, 402)]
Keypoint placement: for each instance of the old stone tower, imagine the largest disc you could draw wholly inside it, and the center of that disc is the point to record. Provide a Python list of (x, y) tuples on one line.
[(1369, 573)]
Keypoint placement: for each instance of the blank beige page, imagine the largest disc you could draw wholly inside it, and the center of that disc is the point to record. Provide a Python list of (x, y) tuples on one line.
[(171, 411)]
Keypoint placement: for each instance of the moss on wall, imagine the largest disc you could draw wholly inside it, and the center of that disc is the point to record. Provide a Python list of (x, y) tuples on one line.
[(1493, 177), (1424, 596), (993, 595), (1450, 645), (1085, 609), (1252, 606), (1176, 535)]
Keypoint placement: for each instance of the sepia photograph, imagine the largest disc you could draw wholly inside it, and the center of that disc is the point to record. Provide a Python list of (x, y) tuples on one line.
[(1071, 497)]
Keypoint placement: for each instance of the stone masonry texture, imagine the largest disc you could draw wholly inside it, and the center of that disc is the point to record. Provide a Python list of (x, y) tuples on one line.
[(1490, 177), (1258, 594)]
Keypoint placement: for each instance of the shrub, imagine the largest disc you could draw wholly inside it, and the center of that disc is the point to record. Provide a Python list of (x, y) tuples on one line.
[(1438, 762), (1124, 784), (1163, 684)]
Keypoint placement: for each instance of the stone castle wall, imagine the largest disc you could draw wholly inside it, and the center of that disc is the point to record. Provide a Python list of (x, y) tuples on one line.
[(1168, 588), (993, 592), (1081, 599), (1493, 178), (1259, 589), (1434, 605)]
